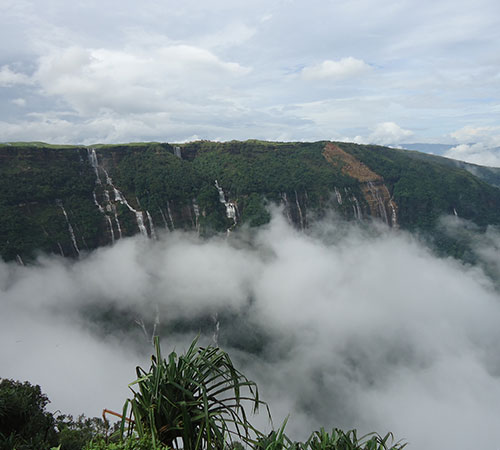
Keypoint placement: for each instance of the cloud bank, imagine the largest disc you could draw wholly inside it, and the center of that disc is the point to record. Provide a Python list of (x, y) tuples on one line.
[(267, 70), (354, 327), (344, 68)]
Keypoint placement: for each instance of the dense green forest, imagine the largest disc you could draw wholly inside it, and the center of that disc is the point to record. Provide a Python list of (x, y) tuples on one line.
[(195, 401), (71, 199)]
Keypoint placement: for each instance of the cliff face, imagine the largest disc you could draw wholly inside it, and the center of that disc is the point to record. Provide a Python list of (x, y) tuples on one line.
[(67, 200), (375, 192)]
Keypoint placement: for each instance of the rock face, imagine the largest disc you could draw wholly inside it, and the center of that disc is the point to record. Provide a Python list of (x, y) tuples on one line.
[(375, 192), (68, 200)]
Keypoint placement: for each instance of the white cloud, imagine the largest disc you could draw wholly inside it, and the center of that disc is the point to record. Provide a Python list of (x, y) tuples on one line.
[(386, 133), (134, 80), (344, 68), (19, 102), (10, 78), (487, 135), (233, 35), (345, 340), (477, 145), (442, 77), (475, 154)]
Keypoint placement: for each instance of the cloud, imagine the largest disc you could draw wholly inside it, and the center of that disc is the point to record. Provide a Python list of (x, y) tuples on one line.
[(114, 66), (336, 70), (477, 145), (21, 102), (342, 326), (133, 80), (476, 154), (233, 35), (487, 135), (386, 133), (10, 78)]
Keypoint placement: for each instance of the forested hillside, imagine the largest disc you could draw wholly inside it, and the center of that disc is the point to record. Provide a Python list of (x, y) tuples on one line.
[(69, 199)]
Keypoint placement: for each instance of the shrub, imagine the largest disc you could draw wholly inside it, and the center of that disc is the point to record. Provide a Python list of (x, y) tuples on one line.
[(197, 398)]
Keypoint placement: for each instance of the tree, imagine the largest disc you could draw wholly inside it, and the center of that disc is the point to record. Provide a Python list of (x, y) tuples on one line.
[(24, 422)]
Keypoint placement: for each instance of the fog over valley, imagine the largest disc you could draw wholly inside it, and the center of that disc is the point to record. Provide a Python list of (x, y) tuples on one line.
[(345, 325)]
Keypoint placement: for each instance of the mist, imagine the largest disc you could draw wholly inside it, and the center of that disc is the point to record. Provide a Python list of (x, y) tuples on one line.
[(352, 326)]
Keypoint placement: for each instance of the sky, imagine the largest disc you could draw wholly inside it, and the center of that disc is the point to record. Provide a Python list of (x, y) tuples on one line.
[(377, 334), (383, 72)]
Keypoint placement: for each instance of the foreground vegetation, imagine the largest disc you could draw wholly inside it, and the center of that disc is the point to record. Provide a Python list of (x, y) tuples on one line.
[(194, 401)]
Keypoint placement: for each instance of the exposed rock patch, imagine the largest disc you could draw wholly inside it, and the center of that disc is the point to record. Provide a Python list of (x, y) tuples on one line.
[(372, 185)]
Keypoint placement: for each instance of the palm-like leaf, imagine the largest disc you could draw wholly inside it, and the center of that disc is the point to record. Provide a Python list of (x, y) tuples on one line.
[(196, 398)]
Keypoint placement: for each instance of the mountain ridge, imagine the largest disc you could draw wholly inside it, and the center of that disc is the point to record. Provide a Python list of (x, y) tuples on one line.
[(67, 199)]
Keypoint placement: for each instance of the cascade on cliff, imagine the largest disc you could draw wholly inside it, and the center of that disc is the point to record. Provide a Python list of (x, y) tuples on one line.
[(110, 225), (287, 207), (394, 215), (301, 217), (215, 336), (151, 225), (230, 207), (70, 228), (164, 219), (118, 197), (110, 207), (339, 197), (169, 211), (196, 210), (380, 204)]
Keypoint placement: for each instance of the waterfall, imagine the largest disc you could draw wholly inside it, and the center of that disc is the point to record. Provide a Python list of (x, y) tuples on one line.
[(196, 210), (170, 215), (142, 325), (358, 214), (394, 216), (177, 152), (70, 228), (222, 198), (151, 225), (164, 219), (215, 336), (156, 324), (301, 217), (109, 207), (287, 207), (119, 197), (60, 248), (380, 203), (230, 207), (101, 209), (111, 232), (94, 163), (108, 219), (140, 222), (339, 197), (20, 260), (455, 212), (117, 222)]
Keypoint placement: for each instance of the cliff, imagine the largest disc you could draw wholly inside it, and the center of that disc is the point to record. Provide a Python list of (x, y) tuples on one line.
[(69, 199)]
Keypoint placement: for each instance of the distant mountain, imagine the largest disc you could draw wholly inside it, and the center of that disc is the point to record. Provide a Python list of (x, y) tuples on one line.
[(69, 199), (435, 149), (489, 174)]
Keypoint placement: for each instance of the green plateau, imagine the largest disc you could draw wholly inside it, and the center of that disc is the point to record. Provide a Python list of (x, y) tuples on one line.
[(64, 199)]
